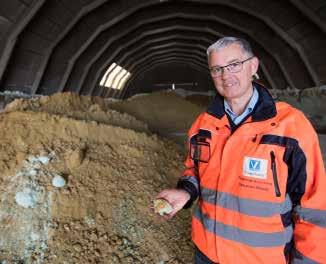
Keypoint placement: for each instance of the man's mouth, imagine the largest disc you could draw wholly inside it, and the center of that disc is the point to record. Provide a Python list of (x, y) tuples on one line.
[(229, 84)]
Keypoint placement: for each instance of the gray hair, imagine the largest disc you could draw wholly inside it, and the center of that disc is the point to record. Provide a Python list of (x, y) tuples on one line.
[(227, 41)]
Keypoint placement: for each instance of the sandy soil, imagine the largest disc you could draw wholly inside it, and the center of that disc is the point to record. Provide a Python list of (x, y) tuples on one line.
[(165, 112), (200, 100), (74, 190), (78, 107), (313, 106)]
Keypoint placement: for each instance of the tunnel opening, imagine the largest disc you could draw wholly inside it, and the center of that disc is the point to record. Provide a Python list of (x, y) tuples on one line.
[(114, 79)]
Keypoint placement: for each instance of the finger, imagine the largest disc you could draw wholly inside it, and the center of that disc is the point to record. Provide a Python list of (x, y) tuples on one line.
[(167, 217), (176, 205), (161, 218), (163, 194), (171, 215)]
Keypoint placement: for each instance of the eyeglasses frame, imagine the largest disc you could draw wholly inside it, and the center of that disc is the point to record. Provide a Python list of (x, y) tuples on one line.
[(226, 66)]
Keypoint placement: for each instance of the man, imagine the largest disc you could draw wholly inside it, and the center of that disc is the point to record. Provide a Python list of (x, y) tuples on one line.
[(257, 170)]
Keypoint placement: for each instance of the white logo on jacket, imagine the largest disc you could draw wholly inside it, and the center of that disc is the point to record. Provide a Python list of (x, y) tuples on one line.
[(254, 167)]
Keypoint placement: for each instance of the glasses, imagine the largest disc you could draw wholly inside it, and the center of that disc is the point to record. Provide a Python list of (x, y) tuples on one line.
[(232, 67)]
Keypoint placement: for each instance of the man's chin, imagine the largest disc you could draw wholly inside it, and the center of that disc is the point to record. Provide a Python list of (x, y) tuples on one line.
[(231, 92)]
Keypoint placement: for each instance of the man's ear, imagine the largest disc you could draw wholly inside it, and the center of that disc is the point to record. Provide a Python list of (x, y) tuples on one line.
[(254, 65)]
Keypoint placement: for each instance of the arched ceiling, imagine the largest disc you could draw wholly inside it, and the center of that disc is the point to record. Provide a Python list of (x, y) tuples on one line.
[(67, 45)]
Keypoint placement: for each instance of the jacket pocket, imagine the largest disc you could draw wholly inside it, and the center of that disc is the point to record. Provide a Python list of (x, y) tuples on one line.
[(200, 150), (274, 172)]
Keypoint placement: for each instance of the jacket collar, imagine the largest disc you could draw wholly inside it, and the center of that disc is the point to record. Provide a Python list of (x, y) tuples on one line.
[(264, 109)]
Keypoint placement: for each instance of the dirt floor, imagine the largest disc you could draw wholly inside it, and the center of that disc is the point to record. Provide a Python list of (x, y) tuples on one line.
[(76, 186)]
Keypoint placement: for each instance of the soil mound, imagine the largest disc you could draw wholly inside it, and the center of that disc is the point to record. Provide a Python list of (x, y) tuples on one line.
[(78, 191), (77, 107), (200, 100), (164, 112)]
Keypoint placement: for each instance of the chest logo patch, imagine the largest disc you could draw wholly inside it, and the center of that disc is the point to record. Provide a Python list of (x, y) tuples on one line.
[(254, 167)]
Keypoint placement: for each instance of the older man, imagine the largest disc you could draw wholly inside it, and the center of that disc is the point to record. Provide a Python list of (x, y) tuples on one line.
[(257, 170)]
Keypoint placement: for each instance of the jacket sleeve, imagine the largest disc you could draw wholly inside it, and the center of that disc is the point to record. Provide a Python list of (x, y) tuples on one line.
[(310, 210), (189, 180)]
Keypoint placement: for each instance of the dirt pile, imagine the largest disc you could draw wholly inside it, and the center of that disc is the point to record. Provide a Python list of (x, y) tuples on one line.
[(77, 191), (165, 112), (200, 100), (78, 107), (312, 103)]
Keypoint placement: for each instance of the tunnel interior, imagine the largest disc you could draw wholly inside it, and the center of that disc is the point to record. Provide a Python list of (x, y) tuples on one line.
[(59, 46), (96, 101)]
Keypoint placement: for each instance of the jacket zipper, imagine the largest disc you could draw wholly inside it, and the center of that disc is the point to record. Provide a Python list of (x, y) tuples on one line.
[(273, 167)]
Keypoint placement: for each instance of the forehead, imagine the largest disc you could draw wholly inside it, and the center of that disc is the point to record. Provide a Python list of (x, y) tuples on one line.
[(226, 55)]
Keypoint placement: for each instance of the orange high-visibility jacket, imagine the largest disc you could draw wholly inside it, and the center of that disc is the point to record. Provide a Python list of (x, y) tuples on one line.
[(261, 186)]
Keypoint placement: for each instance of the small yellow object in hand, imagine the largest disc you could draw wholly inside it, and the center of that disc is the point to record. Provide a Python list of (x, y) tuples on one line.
[(162, 206)]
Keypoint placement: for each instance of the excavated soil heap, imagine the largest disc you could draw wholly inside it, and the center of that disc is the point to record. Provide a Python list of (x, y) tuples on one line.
[(200, 100), (74, 190), (78, 107), (165, 112)]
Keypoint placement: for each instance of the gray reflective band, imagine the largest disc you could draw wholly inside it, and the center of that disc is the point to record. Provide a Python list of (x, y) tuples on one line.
[(251, 238), (298, 258), (191, 179), (314, 216), (246, 206)]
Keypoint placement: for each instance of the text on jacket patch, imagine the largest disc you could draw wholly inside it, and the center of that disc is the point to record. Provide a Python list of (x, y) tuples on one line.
[(255, 167)]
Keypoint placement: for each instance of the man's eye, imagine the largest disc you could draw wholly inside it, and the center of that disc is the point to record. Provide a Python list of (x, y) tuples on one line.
[(234, 65), (216, 70)]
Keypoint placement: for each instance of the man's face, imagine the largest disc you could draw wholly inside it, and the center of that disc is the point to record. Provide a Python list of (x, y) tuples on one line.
[(233, 85)]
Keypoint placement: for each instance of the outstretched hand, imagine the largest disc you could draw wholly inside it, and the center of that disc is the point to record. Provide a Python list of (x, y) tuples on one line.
[(177, 198)]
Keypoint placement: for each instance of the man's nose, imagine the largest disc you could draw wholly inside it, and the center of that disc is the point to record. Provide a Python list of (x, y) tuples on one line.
[(224, 73)]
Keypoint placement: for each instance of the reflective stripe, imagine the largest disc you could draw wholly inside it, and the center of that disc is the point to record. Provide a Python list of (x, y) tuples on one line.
[(251, 238), (191, 179), (314, 216), (246, 206), (298, 258)]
